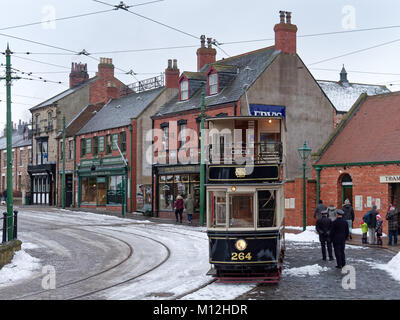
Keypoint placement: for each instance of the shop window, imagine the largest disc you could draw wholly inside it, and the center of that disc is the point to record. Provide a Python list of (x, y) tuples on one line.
[(114, 190), (241, 211), (266, 208), (89, 190)]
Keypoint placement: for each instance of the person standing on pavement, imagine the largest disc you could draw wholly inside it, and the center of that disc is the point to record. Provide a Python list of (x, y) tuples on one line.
[(4, 197), (370, 219), (379, 229), (323, 227), (348, 215), (339, 233), (178, 205), (189, 207), (318, 210), (392, 216), (332, 212)]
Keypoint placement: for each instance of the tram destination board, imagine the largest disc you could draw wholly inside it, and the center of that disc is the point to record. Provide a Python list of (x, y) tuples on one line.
[(245, 174)]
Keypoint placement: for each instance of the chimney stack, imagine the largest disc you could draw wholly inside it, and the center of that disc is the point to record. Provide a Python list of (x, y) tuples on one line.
[(112, 90), (105, 69), (285, 33), (172, 75), (78, 74), (205, 55)]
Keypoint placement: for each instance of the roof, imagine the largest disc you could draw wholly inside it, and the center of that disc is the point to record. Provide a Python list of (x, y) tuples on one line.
[(369, 134), (63, 94), (344, 95), (118, 112), (87, 113), (18, 141), (249, 67)]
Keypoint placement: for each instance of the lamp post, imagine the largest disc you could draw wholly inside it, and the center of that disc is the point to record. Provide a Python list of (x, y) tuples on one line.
[(304, 152), (202, 159)]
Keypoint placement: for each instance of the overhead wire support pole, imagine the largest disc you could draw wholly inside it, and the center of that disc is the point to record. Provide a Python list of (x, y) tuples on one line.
[(63, 165)]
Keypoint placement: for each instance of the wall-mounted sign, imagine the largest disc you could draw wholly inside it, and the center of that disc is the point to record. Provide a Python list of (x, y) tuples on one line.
[(263, 110), (389, 179)]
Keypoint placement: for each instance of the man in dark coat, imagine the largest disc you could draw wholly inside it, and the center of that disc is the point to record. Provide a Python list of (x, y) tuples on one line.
[(392, 217), (370, 219), (348, 215), (318, 210), (339, 234), (4, 197), (323, 227)]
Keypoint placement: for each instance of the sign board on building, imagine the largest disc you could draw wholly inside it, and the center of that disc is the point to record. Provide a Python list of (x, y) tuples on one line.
[(263, 110), (389, 179)]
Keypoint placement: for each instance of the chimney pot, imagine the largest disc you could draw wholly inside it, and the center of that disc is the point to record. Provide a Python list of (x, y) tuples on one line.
[(203, 41), (175, 66), (169, 63), (288, 17), (282, 16)]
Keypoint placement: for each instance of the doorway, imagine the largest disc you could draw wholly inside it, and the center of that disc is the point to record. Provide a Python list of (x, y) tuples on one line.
[(395, 199), (68, 190), (347, 188)]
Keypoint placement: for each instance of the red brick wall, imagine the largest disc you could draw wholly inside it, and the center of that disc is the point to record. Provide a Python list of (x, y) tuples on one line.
[(294, 189), (366, 183)]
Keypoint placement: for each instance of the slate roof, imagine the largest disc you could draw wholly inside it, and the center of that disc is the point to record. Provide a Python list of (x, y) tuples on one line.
[(370, 134), (118, 112), (344, 95), (62, 94), (249, 66), (18, 141)]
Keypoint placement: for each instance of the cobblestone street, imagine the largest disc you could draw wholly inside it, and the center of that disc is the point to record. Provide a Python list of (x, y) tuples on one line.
[(371, 283)]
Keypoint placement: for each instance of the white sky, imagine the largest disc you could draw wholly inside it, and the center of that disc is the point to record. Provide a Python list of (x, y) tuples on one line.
[(223, 20)]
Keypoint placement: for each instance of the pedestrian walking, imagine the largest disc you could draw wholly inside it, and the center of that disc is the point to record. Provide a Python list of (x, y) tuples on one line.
[(178, 206), (4, 197), (378, 229), (318, 210), (392, 216), (364, 230), (189, 207), (323, 227), (348, 215), (370, 219), (339, 233), (332, 212)]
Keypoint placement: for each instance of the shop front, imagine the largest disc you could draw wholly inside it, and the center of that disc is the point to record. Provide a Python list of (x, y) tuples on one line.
[(42, 183), (103, 184), (171, 181)]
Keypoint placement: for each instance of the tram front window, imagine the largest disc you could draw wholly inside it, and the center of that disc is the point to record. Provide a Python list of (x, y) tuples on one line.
[(218, 208), (266, 208), (241, 213)]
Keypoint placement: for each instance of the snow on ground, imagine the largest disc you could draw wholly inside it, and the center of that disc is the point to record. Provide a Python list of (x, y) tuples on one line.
[(220, 291), (312, 270), (392, 267), (306, 236), (21, 267)]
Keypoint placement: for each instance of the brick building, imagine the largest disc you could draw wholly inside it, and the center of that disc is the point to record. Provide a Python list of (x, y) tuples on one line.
[(121, 125), (253, 83), (21, 158), (47, 120), (360, 161)]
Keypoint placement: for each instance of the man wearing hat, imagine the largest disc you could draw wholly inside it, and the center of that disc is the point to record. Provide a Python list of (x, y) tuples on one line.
[(323, 227), (339, 234)]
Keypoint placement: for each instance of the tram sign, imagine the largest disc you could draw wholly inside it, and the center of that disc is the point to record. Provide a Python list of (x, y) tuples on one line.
[(270, 111)]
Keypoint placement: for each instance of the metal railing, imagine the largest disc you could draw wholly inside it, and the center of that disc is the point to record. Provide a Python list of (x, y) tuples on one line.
[(260, 152), (6, 228)]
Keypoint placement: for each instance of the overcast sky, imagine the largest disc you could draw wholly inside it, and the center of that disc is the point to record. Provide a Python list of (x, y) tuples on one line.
[(223, 20)]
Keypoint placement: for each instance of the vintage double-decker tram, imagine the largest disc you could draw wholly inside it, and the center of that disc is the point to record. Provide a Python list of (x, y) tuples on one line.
[(245, 201)]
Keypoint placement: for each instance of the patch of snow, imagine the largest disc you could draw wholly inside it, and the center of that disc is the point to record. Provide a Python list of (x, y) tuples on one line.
[(21, 267), (305, 236), (220, 291), (312, 270), (392, 267)]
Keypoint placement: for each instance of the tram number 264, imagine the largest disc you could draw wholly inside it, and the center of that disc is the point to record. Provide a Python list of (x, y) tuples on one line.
[(241, 256)]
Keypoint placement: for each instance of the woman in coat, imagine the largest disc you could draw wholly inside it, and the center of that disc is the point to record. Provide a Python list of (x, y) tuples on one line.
[(178, 205), (189, 207)]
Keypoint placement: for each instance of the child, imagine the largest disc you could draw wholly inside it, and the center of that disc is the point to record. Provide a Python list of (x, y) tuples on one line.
[(378, 229), (364, 230)]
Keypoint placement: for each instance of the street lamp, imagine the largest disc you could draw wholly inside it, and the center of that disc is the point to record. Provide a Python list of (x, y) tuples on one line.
[(304, 152)]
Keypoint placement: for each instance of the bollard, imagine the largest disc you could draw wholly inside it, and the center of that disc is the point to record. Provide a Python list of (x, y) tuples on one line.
[(4, 227), (15, 225)]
